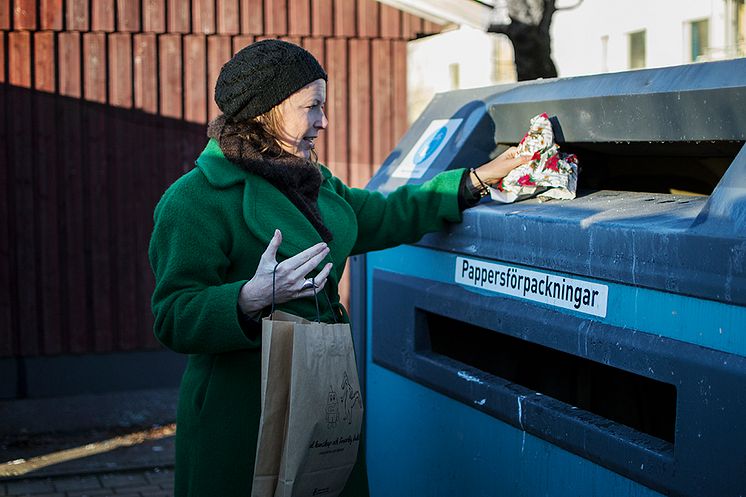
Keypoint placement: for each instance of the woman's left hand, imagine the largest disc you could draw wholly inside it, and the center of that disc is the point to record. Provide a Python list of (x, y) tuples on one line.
[(285, 281), (499, 167)]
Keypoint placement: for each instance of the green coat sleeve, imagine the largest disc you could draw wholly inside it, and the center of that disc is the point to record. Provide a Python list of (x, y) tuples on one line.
[(195, 308), (406, 214)]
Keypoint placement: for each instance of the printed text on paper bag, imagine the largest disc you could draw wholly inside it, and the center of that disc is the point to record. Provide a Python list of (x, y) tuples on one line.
[(551, 289)]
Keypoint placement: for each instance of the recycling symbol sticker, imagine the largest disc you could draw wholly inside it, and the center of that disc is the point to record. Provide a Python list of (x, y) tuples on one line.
[(426, 150)]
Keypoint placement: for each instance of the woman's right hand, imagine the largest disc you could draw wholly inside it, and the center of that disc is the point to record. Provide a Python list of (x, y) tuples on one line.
[(290, 277)]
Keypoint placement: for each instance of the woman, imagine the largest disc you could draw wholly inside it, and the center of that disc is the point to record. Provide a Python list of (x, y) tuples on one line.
[(258, 197)]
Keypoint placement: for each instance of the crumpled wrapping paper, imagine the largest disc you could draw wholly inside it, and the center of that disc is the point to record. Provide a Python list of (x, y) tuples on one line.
[(549, 175)]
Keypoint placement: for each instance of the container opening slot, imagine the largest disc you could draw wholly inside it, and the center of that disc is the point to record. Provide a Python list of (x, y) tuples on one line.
[(683, 168), (641, 403)]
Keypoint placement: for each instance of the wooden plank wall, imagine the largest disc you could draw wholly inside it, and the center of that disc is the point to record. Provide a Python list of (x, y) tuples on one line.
[(104, 104)]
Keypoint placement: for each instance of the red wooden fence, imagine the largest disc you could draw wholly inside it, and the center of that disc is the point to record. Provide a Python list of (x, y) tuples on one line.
[(104, 104)]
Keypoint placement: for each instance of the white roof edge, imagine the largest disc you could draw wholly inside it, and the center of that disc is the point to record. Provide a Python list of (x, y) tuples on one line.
[(461, 12)]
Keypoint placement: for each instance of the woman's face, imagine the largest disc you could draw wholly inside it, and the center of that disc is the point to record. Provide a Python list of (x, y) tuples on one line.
[(302, 118)]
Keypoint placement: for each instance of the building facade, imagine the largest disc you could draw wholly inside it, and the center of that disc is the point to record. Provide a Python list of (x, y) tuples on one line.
[(606, 36)]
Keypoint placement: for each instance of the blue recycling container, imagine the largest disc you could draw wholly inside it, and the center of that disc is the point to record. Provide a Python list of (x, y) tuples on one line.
[(590, 347)]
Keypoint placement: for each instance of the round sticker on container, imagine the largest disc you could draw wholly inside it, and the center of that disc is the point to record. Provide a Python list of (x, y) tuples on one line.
[(432, 143), (427, 148)]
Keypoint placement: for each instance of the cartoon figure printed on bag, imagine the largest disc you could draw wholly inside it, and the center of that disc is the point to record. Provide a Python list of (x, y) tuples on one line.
[(332, 409), (349, 399)]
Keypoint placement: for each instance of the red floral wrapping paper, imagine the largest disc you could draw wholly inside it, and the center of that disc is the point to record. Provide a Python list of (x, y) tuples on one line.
[(549, 175)]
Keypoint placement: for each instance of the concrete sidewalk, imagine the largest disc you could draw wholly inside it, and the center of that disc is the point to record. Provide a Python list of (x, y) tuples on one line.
[(154, 482), (118, 444)]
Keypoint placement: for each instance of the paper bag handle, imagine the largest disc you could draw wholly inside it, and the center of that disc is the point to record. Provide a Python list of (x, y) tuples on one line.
[(315, 297), (272, 310)]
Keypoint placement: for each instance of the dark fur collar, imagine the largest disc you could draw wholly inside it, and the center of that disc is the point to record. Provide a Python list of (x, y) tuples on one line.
[(297, 178)]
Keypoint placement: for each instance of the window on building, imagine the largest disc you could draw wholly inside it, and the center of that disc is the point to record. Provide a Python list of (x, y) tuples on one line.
[(637, 49), (503, 67), (455, 73), (700, 39)]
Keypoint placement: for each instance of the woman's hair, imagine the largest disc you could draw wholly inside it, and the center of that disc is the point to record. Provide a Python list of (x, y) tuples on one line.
[(262, 133)]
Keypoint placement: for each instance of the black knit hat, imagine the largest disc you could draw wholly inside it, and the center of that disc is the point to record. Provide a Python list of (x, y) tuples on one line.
[(262, 75)]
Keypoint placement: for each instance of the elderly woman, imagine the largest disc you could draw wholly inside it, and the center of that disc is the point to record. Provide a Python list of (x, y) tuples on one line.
[(256, 197)]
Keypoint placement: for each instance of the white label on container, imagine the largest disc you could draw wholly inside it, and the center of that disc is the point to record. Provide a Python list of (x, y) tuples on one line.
[(559, 291), (427, 148)]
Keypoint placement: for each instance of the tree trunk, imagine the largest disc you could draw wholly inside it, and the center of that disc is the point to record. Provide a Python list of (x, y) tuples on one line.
[(531, 41)]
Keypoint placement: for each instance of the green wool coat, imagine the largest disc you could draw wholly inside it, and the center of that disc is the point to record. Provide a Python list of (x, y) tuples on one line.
[(211, 227)]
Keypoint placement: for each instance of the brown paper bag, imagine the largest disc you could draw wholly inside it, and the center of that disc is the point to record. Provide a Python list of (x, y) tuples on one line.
[(310, 425), (277, 353)]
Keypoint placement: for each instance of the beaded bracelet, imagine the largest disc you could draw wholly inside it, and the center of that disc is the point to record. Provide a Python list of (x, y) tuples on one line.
[(483, 190)]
